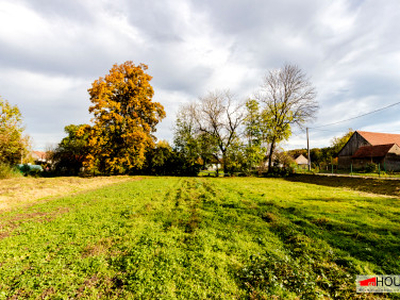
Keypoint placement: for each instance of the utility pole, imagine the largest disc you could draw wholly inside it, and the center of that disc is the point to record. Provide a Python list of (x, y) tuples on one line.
[(308, 151)]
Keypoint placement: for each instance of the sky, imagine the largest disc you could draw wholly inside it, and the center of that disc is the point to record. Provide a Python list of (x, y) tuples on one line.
[(51, 51)]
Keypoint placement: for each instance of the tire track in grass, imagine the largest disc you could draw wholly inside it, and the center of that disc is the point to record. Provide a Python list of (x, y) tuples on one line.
[(158, 263), (131, 249), (186, 258), (184, 207)]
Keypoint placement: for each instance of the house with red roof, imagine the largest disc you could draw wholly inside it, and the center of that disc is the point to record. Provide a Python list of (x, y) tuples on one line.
[(371, 147), (40, 157)]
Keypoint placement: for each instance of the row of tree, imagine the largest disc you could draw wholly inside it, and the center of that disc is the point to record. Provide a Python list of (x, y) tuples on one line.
[(241, 136), (71, 157), (121, 139), (217, 129)]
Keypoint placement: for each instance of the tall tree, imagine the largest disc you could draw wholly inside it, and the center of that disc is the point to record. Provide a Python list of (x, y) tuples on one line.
[(13, 145), (186, 140), (193, 146), (288, 99), (254, 151), (219, 118), (125, 118)]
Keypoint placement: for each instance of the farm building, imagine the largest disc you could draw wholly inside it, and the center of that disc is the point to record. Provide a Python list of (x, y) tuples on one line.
[(41, 158), (371, 147), (301, 161)]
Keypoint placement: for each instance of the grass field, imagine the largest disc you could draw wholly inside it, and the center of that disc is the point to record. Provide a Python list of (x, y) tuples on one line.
[(199, 238), (22, 191)]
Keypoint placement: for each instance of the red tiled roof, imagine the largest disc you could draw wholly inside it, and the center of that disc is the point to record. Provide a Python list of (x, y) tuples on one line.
[(372, 151), (39, 154), (376, 138)]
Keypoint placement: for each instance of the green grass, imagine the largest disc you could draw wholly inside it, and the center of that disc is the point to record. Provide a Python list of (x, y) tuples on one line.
[(199, 238)]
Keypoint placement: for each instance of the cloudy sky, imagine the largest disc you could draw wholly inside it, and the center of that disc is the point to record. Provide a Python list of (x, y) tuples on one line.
[(52, 50)]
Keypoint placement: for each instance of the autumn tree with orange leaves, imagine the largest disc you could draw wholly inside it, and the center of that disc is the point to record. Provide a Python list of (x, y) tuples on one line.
[(125, 118)]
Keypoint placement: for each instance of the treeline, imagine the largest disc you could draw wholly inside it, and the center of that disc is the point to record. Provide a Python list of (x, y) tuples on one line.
[(244, 136), (217, 130), (70, 158), (324, 158)]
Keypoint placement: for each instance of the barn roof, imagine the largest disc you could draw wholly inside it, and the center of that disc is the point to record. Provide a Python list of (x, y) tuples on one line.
[(376, 138), (373, 151)]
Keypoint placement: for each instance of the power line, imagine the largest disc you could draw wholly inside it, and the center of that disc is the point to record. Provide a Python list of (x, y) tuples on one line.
[(324, 130), (363, 115)]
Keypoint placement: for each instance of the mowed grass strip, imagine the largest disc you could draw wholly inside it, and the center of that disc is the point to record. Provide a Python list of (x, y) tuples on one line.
[(199, 238), (21, 191)]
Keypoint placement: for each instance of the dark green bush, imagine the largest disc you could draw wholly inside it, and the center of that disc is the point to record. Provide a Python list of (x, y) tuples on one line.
[(371, 168), (284, 171)]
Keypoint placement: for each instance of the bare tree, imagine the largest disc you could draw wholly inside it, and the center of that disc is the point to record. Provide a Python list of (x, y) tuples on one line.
[(288, 98), (219, 117)]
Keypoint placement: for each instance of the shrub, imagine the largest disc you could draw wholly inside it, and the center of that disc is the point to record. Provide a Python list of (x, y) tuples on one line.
[(6, 171), (280, 171), (371, 168)]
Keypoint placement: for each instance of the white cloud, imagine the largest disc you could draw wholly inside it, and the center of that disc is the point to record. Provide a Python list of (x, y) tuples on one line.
[(21, 26), (47, 103), (52, 50)]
